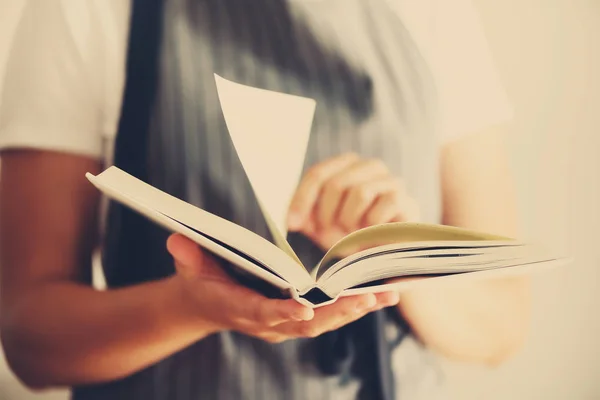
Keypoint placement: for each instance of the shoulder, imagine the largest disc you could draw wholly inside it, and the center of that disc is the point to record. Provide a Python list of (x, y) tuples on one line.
[(64, 75)]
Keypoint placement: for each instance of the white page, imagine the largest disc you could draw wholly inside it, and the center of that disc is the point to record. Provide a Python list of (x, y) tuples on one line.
[(270, 132), (172, 213)]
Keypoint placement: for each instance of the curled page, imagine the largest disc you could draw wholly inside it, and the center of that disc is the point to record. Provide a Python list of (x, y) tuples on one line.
[(270, 133)]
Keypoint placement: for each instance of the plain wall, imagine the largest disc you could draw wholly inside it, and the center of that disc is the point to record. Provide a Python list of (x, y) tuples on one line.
[(549, 56), (548, 59)]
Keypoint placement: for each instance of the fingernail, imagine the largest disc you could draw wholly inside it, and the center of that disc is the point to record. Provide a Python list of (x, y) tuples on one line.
[(305, 314), (294, 221), (369, 301)]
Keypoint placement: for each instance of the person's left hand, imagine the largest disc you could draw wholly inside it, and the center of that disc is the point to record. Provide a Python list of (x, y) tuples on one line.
[(344, 194)]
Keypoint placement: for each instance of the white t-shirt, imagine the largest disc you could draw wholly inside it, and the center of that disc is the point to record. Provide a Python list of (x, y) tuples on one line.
[(66, 71)]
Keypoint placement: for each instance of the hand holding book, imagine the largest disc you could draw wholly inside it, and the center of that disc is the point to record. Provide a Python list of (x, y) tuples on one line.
[(335, 198), (218, 303)]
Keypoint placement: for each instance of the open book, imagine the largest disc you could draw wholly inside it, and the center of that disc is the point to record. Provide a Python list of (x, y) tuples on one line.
[(378, 255), (392, 250)]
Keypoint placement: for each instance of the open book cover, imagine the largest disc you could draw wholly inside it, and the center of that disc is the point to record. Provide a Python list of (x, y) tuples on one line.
[(377, 256)]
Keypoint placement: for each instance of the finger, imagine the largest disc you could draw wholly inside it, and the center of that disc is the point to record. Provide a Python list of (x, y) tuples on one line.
[(328, 317), (331, 319), (382, 300), (308, 190), (235, 306), (360, 198), (253, 307), (383, 210), (238, 302), (184, 250), (191, 261), (408, 210), (387, 299), (344, 306), (333, 191), (271, 337)]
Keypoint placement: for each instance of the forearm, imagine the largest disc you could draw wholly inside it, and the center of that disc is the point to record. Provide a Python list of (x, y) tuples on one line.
[(67, 334), (485, 320), (471, 321)]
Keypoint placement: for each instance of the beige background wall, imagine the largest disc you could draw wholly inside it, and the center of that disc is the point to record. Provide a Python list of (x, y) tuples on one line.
[(549, 56)]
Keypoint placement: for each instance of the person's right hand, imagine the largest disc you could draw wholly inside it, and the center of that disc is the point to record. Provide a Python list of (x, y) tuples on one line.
[(220, 304)]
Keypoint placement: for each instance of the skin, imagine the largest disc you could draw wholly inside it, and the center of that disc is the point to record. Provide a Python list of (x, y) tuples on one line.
[(53, 322), (483, 321)]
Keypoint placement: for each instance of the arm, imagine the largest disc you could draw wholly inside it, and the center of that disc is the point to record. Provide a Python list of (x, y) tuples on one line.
[(477, 321), (52, 322), (57, 330), (50, 211)]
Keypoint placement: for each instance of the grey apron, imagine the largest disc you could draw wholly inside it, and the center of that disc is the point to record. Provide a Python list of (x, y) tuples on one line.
[(374, 97)]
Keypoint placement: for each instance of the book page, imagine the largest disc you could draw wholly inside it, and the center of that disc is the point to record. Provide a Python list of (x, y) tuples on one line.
[(502, 270), (270, 132), (426, 262), (395, 233), (233, 242), (440, 253)]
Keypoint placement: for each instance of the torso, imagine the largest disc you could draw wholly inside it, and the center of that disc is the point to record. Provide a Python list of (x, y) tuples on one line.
[(384, 112)]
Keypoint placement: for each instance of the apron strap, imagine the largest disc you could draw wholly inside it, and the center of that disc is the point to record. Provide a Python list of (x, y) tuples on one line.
[(140, 88), (128, 233)]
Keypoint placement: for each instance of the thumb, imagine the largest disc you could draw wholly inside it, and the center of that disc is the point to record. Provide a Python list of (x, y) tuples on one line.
[(190, 260)]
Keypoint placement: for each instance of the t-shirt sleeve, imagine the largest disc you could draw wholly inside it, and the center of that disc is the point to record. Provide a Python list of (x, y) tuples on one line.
[(471, 95), (52, 91)]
